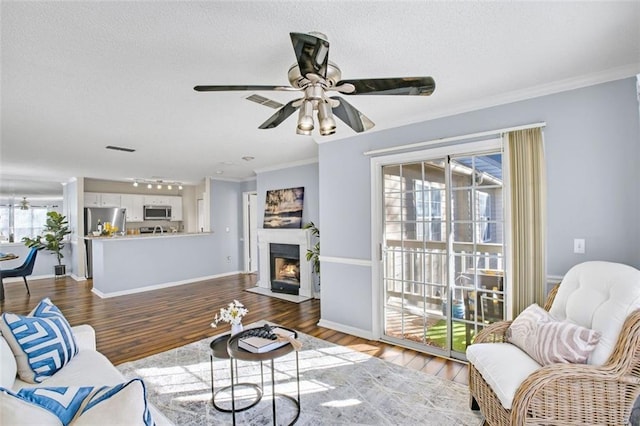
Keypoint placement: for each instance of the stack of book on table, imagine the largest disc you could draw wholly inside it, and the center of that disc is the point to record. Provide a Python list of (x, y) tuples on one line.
[(259, 344)]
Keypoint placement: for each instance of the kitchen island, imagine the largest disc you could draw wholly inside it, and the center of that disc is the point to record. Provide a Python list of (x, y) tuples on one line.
[(134, 263)]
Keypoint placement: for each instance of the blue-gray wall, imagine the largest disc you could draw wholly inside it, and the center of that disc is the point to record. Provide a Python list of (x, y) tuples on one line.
[(291, 177), (226, 224), (592, 141)]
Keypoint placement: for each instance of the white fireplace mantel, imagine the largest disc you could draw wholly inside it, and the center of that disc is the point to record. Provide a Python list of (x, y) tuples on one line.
[(299, 237)]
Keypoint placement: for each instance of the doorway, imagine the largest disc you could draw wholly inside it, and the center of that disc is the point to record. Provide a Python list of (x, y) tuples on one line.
[(442, 246), (250, 231)]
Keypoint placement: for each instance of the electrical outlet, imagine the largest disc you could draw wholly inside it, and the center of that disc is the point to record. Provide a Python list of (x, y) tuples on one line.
[(579, 246)]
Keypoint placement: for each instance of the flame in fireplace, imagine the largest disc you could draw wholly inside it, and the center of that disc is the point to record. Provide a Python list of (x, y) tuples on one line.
[(289, 271)]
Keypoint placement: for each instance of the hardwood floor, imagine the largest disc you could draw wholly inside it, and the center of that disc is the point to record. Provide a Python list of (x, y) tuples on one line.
[(135, 326)]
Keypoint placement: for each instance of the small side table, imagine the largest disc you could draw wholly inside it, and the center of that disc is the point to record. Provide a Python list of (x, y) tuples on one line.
[(236, 353), (219, 350)]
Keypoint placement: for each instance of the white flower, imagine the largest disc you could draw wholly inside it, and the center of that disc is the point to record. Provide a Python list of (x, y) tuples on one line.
[(232, 314)]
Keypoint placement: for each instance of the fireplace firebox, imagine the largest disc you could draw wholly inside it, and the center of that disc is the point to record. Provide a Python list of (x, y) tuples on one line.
[(285, 268)]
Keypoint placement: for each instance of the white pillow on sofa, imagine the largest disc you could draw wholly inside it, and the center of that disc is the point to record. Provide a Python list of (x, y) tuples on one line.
[(549, 341)]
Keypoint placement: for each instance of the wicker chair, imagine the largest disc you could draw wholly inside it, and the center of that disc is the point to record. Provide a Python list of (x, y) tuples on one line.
[(576, 394)]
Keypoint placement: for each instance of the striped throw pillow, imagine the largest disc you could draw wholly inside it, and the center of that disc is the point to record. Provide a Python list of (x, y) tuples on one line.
[(125, 403), (42, 341), (549, 341)]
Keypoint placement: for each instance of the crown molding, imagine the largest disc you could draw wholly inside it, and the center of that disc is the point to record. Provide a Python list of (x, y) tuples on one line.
[(559, 86), (585, 80)]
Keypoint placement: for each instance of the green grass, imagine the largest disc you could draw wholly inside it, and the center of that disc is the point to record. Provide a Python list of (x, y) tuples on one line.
[(437, 335)]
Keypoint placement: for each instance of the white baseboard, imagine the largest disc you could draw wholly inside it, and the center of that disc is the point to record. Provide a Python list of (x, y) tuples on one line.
[(159, 286), (29, 278), (365, 334)]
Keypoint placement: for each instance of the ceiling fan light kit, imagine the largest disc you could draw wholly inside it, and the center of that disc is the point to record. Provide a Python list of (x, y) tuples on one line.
[(314, 75)]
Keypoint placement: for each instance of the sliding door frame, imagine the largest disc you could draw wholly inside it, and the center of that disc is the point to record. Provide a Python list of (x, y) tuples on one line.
[(377, 181)]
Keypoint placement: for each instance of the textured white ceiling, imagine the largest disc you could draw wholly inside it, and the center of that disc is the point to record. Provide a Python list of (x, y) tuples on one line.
[(77, 76)]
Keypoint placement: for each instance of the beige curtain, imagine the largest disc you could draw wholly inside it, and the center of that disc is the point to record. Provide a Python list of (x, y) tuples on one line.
[(528, 217)]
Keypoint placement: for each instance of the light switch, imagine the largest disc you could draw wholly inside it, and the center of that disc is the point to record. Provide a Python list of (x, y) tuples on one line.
[(227, 229), (579, 245)]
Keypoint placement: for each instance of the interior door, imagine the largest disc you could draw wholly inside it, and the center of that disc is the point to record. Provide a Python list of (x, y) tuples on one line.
[(442, 238)]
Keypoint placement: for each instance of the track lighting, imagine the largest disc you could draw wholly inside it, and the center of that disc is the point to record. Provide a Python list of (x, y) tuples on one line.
[(157, 183)]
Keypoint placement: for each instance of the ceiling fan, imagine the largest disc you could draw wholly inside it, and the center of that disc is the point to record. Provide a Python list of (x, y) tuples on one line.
[(314, 75)]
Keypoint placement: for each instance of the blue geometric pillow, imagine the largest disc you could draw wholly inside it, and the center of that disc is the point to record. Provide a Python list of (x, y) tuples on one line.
[(125, 403), (42, 342)]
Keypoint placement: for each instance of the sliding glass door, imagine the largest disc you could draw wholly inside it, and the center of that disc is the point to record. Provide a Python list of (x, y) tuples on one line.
[(443, 245)]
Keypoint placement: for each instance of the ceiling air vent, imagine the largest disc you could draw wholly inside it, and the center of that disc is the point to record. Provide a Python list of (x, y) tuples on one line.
[(119, 148), (264, 101)]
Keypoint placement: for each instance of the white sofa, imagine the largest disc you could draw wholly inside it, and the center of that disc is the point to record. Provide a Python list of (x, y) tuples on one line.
[(88, 368)]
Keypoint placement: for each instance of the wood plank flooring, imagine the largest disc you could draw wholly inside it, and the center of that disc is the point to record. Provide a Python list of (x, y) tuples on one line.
[(135, 326)]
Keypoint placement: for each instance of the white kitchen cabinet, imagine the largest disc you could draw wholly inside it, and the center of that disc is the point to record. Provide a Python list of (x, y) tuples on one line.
[(97, 199), (134, 205), (110, 200), (176, 208), (157, 200), (91, 199)]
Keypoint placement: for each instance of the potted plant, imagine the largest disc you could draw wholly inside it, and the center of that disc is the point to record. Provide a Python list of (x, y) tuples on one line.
[(55, 229), (313, 254)]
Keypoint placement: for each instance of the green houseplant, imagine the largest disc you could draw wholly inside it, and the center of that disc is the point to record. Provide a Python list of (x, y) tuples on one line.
[(55, 229), (313, 254)]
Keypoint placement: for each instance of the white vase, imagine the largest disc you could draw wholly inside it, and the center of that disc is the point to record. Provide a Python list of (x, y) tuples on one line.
[(236, 328)]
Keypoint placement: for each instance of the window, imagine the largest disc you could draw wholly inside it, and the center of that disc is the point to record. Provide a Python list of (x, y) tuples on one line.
[(26, 223)]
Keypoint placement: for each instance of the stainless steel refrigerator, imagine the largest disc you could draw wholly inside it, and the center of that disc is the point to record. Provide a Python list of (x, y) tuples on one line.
[(117, 217)]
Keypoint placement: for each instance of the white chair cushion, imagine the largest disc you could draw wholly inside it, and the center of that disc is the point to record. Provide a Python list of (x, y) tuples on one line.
[(599, 296), (503, 366)]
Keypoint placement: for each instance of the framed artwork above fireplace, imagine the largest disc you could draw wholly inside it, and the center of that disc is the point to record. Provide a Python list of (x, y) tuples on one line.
[(283, 208)]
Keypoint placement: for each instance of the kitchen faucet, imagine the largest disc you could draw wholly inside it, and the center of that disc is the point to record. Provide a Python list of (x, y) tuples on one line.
[(156, 227)]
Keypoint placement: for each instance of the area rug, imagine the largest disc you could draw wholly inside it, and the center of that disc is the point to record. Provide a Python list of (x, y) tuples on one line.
[(338, 386)]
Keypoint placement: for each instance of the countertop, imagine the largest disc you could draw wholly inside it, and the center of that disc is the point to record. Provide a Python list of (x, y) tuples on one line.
[(144, 236)]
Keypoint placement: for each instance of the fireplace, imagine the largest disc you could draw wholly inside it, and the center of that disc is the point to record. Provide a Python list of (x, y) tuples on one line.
[(285, 268), (298, 241)]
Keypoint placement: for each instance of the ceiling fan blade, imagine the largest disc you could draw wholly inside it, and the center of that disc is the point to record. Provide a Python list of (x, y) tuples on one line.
[(351, 116), (247, 87), (281, 115), (312, 53), (412, 86)]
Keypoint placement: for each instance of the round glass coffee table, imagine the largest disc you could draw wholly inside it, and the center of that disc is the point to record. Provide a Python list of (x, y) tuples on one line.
[(219, 350), (237, 353)]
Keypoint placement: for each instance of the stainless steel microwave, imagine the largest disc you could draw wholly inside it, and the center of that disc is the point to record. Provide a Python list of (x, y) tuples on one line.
[(157, 212)]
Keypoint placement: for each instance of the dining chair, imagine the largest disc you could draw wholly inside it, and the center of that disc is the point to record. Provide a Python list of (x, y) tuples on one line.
[(23, 270)]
